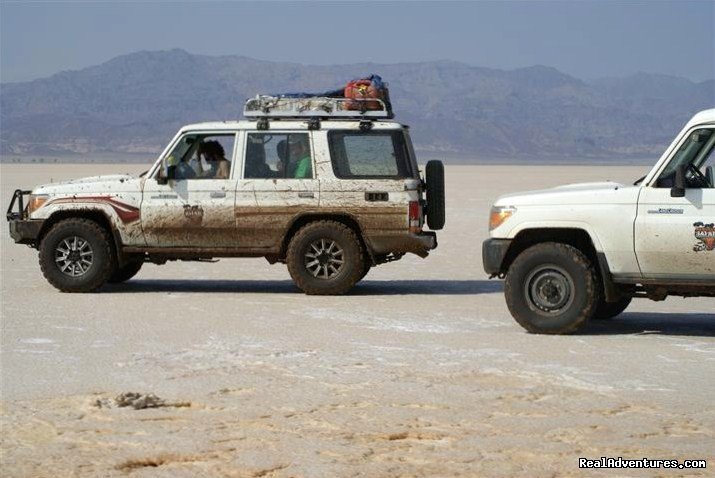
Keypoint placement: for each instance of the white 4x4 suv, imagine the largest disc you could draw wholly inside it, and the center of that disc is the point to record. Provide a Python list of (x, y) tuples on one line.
[(583, 251), (331, 195)]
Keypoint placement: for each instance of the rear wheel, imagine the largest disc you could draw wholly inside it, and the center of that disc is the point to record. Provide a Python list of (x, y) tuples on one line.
[(609, 310), (76, 255), (552, 288), (366, 268), (325, 258)]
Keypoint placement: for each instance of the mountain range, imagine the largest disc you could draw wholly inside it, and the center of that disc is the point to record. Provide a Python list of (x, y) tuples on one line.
[(135, 103)]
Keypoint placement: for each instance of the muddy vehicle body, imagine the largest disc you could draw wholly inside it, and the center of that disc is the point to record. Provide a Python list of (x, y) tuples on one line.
[(330, 197), (583, 251)]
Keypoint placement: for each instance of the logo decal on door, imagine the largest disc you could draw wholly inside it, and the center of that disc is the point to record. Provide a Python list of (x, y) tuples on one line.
[(665, 210), (705, 233), (194, 214)]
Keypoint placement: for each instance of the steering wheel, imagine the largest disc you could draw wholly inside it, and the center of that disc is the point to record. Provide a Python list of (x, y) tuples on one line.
[(698, 178)]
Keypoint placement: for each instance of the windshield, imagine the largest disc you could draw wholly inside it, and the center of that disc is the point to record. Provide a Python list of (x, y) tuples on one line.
[(695, 154), (694, 150)]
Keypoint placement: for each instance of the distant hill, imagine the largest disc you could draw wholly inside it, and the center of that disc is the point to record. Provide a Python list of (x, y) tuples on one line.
[(136, 102)]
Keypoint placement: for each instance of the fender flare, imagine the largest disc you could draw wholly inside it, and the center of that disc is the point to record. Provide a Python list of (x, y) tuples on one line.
[(610, 290)]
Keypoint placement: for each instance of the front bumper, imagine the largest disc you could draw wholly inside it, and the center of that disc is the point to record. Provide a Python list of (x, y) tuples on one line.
[(493, 252), (24, 231)]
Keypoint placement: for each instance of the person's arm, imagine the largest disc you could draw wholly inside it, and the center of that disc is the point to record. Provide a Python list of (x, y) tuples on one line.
[(223, 171)]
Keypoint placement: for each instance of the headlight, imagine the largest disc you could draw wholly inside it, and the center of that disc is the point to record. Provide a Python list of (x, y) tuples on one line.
[(35, 202), (499, 214)]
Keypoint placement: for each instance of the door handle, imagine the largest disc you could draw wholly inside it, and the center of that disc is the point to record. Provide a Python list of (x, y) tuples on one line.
[(218, 194), (306, 195)]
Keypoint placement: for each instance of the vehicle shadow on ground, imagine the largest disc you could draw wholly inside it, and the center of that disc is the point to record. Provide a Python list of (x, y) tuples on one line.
[(657, 323), (366, 287)]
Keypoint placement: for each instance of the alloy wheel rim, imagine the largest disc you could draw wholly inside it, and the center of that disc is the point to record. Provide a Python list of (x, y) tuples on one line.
[(74, 256), (324, 259)]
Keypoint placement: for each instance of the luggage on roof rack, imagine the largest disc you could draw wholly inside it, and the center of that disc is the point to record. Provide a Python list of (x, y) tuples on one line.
[(361, 98), (263, 106)]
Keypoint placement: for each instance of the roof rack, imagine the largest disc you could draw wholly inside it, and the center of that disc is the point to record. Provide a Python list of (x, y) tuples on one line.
[(264, 106)]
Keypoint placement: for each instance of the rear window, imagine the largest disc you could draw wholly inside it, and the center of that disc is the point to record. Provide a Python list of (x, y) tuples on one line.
[(369, 155)]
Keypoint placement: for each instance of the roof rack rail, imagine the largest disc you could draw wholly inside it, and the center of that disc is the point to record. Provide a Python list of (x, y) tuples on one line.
[(264, 106)]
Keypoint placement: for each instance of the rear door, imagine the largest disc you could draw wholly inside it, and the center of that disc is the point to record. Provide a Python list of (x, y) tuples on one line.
[(373, 178), (279, 166), (675, 236)]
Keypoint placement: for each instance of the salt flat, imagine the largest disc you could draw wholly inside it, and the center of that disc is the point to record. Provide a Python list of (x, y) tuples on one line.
[(420, 371)]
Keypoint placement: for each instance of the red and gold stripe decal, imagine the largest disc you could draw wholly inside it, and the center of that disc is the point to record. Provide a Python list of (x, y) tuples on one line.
[(126, 212)]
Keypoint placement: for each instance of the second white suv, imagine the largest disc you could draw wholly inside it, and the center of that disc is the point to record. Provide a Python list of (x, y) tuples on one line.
[(583, 251)]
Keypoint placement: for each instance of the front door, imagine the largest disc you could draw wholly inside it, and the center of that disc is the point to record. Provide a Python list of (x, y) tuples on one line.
[(675, 236), (195, 206)]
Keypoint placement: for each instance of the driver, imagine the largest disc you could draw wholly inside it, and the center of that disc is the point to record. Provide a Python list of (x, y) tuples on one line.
[(219, 166)]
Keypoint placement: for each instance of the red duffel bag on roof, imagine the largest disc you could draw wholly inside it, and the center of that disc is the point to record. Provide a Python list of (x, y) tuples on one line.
[(366, 89)]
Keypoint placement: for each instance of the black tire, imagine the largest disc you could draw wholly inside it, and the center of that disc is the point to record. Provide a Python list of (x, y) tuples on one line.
[(127, 271), (609, 310), (434, 174), (366, 269), (90, 237), (552, 288), (302, 255)]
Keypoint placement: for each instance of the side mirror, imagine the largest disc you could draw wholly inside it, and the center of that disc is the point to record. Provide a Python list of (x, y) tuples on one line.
[(165, 173), (678, 189)]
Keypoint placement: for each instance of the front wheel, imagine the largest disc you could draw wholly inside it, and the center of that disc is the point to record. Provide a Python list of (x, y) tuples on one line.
[(127, 271), (609, 310), (552, 288), (325, 258), (76, 255)]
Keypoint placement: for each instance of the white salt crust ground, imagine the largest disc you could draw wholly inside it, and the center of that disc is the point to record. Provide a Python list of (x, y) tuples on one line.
[(421, 371)]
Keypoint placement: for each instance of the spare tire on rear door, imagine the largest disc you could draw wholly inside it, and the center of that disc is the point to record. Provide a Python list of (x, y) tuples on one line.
[(434, 173)]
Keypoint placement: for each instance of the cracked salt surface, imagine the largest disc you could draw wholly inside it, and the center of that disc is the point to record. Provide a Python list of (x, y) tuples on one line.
[(37, 341)]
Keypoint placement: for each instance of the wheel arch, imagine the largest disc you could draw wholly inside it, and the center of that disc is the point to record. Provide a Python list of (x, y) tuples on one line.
[(304, 219), (97, 215), (576, 237)]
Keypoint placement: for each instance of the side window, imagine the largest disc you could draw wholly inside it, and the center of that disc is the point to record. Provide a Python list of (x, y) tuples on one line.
[(281, 155), (382, 154), (696, 154), (201, 156)]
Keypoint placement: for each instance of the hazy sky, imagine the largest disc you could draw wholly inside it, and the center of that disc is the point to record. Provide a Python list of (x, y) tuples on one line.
[(584, 39)]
